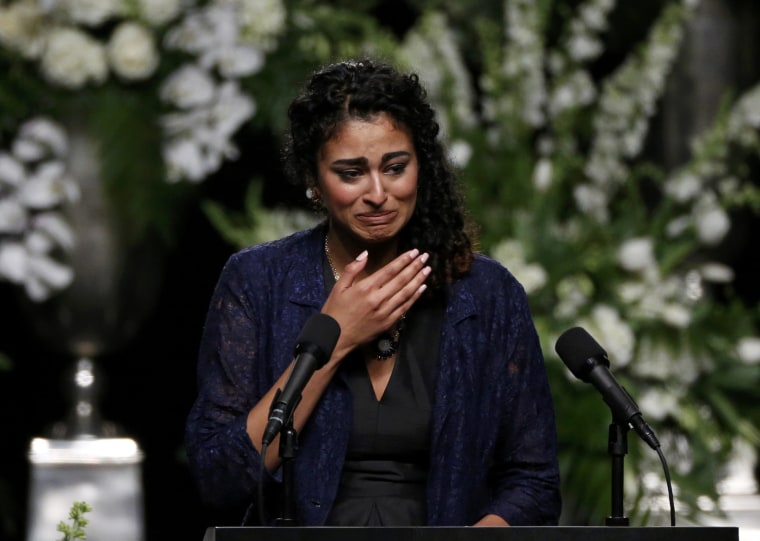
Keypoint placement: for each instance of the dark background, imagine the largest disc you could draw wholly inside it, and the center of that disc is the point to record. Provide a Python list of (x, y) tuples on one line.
[(148, 387)]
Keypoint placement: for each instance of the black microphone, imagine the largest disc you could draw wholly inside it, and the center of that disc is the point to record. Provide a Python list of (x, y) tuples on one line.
[(588, 362), (314, 347)]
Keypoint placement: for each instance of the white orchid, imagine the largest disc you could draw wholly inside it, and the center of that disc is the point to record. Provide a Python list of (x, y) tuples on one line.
[(33, 187), (82, 44), (132, 51)]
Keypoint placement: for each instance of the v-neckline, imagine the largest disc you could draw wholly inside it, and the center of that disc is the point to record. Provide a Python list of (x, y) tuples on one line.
[(384, 390)]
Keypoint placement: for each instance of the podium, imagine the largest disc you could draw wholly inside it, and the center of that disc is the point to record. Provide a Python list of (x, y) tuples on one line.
[(445, 533)]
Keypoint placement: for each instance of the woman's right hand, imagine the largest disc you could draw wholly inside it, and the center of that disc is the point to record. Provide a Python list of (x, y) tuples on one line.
[(371, 305)]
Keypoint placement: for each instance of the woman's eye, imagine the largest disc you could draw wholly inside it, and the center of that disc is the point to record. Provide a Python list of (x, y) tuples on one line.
[(349, 173), (396, 168)]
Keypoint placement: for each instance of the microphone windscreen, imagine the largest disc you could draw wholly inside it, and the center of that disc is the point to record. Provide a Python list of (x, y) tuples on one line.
[(580, 352), (318, 336)]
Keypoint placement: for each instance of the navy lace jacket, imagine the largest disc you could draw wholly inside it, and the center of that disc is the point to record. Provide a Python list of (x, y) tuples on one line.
[(493, 439)]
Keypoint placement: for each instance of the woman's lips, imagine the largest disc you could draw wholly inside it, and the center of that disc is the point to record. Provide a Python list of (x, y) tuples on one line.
[(377, 218)]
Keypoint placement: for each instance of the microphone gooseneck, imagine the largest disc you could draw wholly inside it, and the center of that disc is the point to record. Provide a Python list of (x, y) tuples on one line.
[(313, 349), (588, 361)]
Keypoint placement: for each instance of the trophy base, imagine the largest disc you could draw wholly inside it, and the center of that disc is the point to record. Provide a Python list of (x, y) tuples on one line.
[(105, 473)]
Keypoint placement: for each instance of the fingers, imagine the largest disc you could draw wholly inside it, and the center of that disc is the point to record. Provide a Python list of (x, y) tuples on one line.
[(367, 306), (408, 286), (392, 290), (352, 270)]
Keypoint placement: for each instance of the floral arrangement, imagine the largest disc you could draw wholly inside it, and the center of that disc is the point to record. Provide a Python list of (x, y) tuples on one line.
[(552, 157), (554, 164), (73, 59)]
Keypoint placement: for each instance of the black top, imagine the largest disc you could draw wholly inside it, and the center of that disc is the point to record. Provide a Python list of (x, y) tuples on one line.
[(384, 476)]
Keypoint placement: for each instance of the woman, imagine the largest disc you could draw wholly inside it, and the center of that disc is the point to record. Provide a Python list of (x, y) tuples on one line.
[(434, 407)]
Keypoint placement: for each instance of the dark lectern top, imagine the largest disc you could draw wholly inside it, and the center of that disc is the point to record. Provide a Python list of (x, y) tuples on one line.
[(444, 533)]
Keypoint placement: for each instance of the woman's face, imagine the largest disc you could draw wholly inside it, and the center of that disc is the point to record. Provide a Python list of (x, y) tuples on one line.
[(368, 178)]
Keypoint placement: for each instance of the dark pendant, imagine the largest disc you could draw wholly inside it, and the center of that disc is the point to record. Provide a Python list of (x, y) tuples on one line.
[(386, 347)]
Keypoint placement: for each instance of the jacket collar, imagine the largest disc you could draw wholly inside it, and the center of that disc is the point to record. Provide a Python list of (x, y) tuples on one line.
[(305, 261)]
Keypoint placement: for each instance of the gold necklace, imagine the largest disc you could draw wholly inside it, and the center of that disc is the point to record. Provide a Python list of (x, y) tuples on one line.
[(329, 261), (386, 344)]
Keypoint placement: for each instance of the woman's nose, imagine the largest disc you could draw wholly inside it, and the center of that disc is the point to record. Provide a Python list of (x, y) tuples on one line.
[(376, 194)]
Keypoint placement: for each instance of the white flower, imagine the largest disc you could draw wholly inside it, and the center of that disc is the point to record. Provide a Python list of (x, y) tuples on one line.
[(55, 227), (44, 276), (542, 174), (583, 47), (11, 170), (28, 264), (637, 254), (615, 335), (12, 261), (532, 277), (188, 87), (239, 61), (748, 350), (631, 292), (132, 51), (40, 137), (676, 315), (573, 293), (203, 136), (261, 21), (712, 223), (460, 152), (159, 12), (230, 109), (72, 59), (13, 216), (594, 14), (213, 35), (657, 403), (22, 28), (683, 187), (716, 273), (511, 254), (654, 360), (432, 46), (591, 200), (45, 187), (91, 12), (194, 34), (183, 160), (678, 226)]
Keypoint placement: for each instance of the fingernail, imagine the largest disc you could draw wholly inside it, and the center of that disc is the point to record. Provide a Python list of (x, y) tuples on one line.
[(426, 271), (424, 257), (362, 256), (422, 288), (413, 253)]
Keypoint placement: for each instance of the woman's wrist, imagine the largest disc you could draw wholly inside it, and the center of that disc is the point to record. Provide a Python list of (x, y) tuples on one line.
[(491, 520)]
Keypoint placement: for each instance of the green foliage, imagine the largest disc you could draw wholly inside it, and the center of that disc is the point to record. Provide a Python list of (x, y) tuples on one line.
[(315, 35), (74, 529), (559, 182), (5, 362), (255, 223)]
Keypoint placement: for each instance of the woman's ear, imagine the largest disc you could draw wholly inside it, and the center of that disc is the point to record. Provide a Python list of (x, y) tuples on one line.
[(313, 193)]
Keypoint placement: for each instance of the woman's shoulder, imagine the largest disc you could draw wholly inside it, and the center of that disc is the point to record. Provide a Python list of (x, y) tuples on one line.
[(489, 276), (486, 266)]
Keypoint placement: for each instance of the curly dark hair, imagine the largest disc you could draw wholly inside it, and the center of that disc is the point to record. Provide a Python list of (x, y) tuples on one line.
[(363, 89)]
